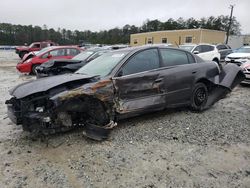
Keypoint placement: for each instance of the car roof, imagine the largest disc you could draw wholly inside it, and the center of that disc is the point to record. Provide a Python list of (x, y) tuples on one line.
[(245, 47), (138, 48)]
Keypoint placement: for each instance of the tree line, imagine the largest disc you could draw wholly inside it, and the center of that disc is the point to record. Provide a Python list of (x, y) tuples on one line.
[(11, 34)]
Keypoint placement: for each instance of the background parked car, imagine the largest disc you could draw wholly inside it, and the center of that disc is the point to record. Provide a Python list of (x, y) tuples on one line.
[(246, 69), (224, 50), (205, 51), (35, 46), (54, 52), (62, 66), (239, 56)]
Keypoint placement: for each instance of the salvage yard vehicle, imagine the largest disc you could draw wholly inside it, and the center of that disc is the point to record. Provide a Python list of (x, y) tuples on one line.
[(205, 51), (53, 52), (35, 46), (117, 85), (246, 70), (224, 50), (239, 56), (62, 66)]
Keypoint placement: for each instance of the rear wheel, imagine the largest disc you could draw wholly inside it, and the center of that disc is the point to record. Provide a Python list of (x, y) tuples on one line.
[(199, 97)]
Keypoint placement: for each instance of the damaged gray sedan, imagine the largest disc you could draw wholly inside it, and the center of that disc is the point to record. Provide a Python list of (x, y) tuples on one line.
[(117, 85)]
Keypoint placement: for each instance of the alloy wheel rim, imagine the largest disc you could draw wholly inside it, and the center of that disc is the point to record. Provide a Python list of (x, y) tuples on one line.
[(200, 96)]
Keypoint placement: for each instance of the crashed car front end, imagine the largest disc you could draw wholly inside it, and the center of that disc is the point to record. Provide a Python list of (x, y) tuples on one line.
[(34, 112), (64, 108), (246, 70)]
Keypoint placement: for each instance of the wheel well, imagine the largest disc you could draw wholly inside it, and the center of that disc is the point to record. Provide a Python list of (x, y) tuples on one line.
[(216, 59), (208, 83)]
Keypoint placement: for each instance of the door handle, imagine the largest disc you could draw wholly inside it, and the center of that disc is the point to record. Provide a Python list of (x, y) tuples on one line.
[(158, 80), (194, 72)]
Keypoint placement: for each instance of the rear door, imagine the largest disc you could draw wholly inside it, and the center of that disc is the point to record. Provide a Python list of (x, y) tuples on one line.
[(53, 54), (179, 74), (138, 83)]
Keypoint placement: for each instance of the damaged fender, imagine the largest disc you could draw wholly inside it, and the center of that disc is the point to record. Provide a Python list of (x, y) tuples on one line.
[(230, 76)]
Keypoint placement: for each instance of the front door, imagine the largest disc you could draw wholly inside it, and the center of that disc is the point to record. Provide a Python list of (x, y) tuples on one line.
[(139, 85)]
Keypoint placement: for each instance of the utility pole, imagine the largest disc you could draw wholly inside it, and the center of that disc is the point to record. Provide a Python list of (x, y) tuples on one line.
[(230, 22)]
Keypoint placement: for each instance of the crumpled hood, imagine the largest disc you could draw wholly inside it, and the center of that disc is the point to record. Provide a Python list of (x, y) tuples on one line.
[(238, 55), (44, 84)]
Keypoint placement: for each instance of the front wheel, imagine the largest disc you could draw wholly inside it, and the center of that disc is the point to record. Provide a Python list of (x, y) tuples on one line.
[(33, 71), (199, 97)]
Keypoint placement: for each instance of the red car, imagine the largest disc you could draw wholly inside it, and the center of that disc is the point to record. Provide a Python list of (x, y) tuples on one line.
[(35, 46), (53, 52)]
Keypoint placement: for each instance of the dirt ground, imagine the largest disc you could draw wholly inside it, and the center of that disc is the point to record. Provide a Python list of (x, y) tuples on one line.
[(172, 148)]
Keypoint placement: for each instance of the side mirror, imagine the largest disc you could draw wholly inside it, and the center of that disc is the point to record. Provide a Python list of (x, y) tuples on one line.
[(49, 56), (196, 52)]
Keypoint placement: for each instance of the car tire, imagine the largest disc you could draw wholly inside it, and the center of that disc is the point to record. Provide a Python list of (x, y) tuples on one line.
[(21, 54), (33, 70), (199, 97), (97, 113)]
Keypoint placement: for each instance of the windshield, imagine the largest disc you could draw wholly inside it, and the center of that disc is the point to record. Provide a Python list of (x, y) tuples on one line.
[(43, 50), (102, 65), (82, 56), (188, 48), (242, 50)]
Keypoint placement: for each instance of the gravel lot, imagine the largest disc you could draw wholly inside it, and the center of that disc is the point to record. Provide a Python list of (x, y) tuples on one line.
[(172, 148)]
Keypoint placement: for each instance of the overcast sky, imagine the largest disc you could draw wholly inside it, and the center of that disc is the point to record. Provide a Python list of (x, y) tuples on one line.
[(98, 15)]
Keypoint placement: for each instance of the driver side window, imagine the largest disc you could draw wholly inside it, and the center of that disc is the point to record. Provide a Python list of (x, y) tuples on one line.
[(198, 48), (143, 61)]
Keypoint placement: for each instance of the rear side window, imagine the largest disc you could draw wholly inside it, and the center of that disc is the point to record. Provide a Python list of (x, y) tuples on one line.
[(197, 48), (143, 61), (172, 57), (190, 58), (72, 52)]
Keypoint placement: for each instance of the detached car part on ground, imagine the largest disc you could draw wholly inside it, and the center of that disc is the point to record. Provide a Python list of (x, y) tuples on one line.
[(29, 65), (62, 66), (117, 85)]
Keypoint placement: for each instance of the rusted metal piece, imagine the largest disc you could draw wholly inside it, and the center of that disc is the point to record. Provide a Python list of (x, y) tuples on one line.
[(98, 132)]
